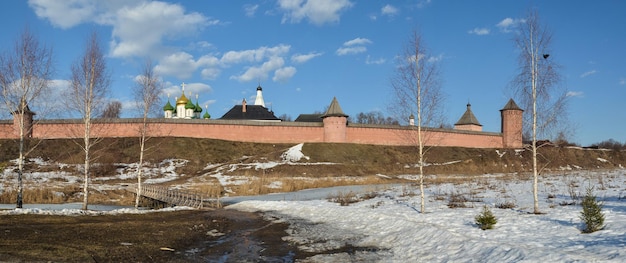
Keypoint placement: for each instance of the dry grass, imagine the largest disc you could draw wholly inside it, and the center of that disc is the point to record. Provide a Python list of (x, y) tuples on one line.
[(66, 194)]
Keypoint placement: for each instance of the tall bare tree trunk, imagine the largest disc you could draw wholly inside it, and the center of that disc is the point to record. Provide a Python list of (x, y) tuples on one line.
[(24, 77), (87, 143), (420, 139), (417, 90), (533, 73), (88, 88), (142, 148), (537, 88), (146, 93)]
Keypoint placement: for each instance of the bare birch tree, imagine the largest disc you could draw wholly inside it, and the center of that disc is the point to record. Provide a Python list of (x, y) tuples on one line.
[(417, 92), (89, 85), (537, 87), (146, 92), (25, 75), (112, 110)]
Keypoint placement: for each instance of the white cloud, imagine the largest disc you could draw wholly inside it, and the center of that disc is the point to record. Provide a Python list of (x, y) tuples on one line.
[(389, 10), (65, 14), (578, 94), (433, 59), (369, 61), (210, 73), (254, 55), (198, 88), (284, 74), (479, 31), (183, 65), (622, 81), (350, 50), (250, 10), (318, 12), (140, 30), (139, 27), (588, 73), (260, 72), (302, 58), (423, 3), (202, 45), (353, 46), (507, 24), (191, 90), (357, 41)]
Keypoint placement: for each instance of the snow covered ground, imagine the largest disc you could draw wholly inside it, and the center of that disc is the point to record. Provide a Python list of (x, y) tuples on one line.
[(390, 228), (386, 225)]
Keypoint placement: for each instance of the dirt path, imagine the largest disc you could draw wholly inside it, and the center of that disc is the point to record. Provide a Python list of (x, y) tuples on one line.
[(182, 236)]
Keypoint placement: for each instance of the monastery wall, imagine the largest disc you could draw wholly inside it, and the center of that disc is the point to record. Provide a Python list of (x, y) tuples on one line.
[(261, 132), (381, 135)]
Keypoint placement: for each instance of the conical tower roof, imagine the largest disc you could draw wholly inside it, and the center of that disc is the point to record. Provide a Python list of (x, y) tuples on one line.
[(511, 105), (468, 117), (334, 110)]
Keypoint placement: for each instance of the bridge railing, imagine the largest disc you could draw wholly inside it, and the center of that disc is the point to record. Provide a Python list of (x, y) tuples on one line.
[(176, 197)]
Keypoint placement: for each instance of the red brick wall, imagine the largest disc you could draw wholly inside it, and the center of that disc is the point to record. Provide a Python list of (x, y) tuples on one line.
[(431, 137), (268, 132)]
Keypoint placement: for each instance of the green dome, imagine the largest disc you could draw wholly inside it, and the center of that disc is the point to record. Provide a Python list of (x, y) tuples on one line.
[(190, 105), (168, 106), (206, 115), (198, 108)]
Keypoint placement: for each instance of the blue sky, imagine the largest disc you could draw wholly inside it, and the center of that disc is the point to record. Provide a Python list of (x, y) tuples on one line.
[(305, 52)]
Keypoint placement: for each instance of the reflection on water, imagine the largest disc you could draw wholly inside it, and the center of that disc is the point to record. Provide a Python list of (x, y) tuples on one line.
[(66, 206)]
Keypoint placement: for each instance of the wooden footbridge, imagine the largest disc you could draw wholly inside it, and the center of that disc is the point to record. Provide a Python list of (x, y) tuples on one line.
[(163, 196)]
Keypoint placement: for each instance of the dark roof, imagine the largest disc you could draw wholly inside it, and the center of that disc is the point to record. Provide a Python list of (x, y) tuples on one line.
[(25, 109), (468, 118), (253, 112), (511, 105), (334, 110), (309, 118)]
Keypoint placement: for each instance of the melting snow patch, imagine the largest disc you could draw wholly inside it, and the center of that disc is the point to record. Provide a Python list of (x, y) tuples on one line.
[(275, 185), (500, 153), (294, 154), (602, 160)]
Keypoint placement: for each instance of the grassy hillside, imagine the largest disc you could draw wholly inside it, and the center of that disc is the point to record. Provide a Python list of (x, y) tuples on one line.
[(218, 168), (349, 159)]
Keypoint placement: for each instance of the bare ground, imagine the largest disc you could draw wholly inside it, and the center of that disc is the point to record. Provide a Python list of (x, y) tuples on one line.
[(183, 236)]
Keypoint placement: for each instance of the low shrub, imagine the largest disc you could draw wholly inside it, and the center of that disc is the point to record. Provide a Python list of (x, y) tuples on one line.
[(486, 220), (506, 205), (344, 199), (591, 214)]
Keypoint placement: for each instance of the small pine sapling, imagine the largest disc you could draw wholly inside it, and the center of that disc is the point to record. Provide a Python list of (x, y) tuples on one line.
[(591, 214), (486, 220)]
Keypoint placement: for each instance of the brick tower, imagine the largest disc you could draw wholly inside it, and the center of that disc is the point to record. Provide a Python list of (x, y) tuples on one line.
[(511, 125), (335, 122)]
